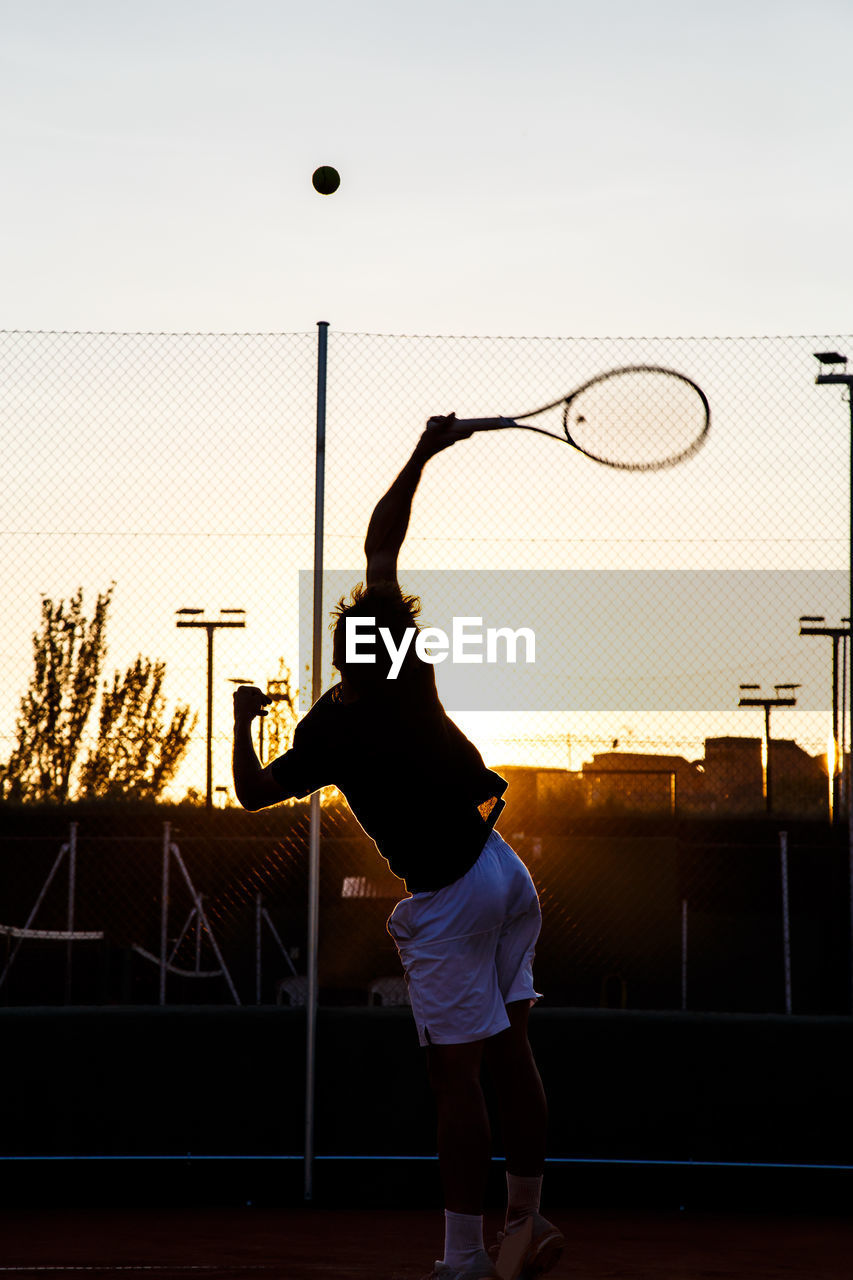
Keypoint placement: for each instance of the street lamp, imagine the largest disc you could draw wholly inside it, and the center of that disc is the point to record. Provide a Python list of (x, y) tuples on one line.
[(833, 373), (834, 360), (812, 625), (785, 700), (227, 618)]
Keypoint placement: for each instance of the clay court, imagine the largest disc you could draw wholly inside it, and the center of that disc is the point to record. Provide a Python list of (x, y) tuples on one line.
[(318, 1244)]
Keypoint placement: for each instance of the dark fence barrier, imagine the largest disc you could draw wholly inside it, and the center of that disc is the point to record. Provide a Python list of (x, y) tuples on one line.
[(659, 913)]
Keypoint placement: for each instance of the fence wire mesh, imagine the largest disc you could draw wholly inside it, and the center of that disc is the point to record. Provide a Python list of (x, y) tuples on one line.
[(173, 476)]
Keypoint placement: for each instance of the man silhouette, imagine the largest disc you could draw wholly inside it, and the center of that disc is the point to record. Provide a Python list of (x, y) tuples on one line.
[(466, 933)]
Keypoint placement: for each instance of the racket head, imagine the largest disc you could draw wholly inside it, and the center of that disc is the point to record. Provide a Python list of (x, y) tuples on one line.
[(637, 418)]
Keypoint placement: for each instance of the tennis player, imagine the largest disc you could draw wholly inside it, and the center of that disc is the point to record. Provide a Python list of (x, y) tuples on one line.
[(467, 930)]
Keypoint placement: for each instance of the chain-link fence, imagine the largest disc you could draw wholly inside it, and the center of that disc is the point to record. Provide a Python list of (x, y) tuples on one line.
[(181, 468)]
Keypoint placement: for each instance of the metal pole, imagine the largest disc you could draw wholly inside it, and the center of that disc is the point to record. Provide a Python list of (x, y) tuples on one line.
[(768, 804), (833, 359), (258, 945), (72, 886), (201, 916), (209, 627), (850, 694), (316, 683), (767, 703), (836, 769), (836, 775), (786, 920), (10, 959), (845, 772), (209, 792), (164, 909), (683, 954)]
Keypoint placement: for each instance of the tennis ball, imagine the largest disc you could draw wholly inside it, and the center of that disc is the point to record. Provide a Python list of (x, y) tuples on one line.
[(326, 179)]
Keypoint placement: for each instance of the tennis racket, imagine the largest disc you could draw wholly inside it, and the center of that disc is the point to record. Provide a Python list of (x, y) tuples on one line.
[(638, 418)]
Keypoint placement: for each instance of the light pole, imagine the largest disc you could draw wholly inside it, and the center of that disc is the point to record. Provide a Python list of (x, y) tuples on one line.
[(833, 373), (838, 376), (809, 626), (786, 700), (190, 618)]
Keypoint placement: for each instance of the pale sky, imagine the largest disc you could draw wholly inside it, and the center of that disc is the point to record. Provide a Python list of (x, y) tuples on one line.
[(552, 167)]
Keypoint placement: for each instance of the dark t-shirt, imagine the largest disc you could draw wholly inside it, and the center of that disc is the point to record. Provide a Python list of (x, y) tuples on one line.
[(416, 784)]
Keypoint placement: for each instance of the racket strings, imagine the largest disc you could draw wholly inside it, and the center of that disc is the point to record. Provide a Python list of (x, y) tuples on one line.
[(638, 419)]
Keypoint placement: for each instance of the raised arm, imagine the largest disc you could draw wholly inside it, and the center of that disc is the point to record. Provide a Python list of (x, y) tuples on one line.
[(390, 520)]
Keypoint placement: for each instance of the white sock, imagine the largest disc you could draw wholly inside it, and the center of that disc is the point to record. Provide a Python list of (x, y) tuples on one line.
[(523, 1197), (463, 1239)]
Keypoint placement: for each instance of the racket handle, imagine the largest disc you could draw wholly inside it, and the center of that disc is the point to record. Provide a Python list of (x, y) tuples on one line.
[(485, 424)]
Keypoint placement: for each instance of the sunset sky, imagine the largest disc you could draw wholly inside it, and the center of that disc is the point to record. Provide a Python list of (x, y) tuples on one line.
[(549, 170)]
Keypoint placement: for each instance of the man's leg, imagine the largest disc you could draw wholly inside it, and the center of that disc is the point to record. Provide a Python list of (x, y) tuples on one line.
[(521, 1098), (531, 1245), (464, 1148), (464, 1135)]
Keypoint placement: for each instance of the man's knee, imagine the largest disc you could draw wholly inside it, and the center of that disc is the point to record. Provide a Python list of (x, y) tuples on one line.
[(507, 1051), (518, 1013)]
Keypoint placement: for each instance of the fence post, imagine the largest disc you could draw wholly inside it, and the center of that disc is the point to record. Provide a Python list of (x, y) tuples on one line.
[(683, 954), (316, 689), (786, 922), (164, 909), (258, 940), (72, 888)]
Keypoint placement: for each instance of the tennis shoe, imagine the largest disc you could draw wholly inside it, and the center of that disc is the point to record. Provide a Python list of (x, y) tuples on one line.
[(530, 1251), (481, 1271)]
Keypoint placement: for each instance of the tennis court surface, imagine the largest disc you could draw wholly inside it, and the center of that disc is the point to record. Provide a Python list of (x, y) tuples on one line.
[(318, 1244)]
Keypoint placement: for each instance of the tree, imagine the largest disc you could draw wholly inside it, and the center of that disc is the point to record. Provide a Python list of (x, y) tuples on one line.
[(136, 755), (68, 652)]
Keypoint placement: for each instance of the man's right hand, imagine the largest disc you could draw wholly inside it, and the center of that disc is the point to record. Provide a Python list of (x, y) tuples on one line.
[(249, 702), (442, 431)]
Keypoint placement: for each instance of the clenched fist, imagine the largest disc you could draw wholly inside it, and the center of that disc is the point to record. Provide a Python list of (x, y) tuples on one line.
[(249, 702)]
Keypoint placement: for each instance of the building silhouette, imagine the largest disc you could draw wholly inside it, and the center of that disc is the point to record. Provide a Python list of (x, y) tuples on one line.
[(727, 781)]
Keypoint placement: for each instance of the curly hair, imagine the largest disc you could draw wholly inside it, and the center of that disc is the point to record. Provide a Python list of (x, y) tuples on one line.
[(391, 608)]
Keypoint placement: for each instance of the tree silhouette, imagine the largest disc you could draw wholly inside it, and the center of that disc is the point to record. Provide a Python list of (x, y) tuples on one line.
[(68, 651), (136, 755)]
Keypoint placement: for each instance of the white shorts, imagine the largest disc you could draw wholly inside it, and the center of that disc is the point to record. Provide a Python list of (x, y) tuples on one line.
[(467, 950)]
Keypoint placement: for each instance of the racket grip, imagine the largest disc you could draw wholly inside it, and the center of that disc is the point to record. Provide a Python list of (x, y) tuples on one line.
[(484, 424)]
